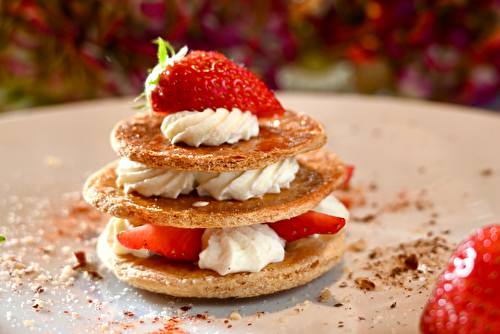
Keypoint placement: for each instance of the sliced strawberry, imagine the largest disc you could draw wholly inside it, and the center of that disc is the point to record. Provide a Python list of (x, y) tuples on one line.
[(307, 224), (466, 298), (172, 242), (203, 80), (349, 169)]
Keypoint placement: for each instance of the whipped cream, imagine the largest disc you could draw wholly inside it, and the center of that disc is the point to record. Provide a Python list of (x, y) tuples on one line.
[(169, 183), (210, 127), (330, 205), (117, 225), (251, 183), (240, 249), (151, 181)]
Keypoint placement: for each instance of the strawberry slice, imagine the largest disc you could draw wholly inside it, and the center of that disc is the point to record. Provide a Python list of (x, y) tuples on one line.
[(203, 80), (307, 224), (466, 298), (349, 169), (171, 242)]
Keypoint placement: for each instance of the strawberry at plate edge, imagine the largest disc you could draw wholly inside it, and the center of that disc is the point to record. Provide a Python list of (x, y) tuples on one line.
[(466, 298)]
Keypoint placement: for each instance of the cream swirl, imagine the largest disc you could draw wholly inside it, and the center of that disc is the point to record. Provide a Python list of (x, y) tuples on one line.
[(209, 127), (151, 181), (240, 249), (170, 183), (251, 183)]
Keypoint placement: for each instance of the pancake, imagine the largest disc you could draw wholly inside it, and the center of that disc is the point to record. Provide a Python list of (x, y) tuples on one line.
[(319, 174), (305, 260), (140, 139)]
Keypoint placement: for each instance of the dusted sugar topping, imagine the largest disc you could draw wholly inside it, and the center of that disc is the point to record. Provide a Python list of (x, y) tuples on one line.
[(240, 249), (168, 183), (210, 127)]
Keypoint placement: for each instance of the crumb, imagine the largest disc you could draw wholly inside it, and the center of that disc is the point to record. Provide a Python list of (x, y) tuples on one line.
[(259, 314), (235, 316), (294, 312), (51, 161), (411, 262), (283, 319), (393, 305), (487, 172), (357, 246), (364, 283), (81, 261), (325, 296), (28, 323), (74, 315), (343, 284)]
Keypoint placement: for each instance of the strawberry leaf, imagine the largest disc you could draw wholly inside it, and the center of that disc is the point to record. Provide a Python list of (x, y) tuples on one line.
[(2, 238), (163, 61), (162, 51)]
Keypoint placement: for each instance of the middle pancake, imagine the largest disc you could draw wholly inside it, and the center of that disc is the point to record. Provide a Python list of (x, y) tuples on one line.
[(320, 173)]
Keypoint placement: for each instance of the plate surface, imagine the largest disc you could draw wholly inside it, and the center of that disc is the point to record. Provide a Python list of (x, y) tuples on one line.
[(423, 171)]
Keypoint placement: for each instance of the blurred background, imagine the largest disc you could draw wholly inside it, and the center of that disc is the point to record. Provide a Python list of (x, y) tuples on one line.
[(56, 51)]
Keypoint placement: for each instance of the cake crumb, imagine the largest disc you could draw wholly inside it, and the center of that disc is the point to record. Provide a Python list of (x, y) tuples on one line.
[(283, 319), (51, 161), (357, 246), (235, 316), (28, 323), (364, 283), (325, 296), (294, 312)]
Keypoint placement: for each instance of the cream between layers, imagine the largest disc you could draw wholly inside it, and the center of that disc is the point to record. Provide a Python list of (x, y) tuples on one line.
[(240, 249), (236, 249), (209, 127), (169, 183)]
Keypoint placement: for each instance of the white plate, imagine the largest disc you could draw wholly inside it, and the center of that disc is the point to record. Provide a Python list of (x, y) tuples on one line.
[(451, 153)]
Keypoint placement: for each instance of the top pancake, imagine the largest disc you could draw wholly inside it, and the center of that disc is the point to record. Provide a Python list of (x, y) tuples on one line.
[(140, 139)]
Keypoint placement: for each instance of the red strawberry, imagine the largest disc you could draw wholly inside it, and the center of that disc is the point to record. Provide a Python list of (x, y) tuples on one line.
[(466, 298), (172, 242), (307, 224), (349, 169), (203, 80)]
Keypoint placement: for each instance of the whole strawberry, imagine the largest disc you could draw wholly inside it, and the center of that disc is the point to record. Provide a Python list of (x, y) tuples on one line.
[(467, 295), (202, 80)]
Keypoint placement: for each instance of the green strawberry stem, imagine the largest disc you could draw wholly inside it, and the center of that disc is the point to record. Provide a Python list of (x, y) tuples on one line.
[(164, 60), (2, 238)]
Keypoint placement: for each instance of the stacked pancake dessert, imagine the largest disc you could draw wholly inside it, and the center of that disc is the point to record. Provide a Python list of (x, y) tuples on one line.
[(220, 192)]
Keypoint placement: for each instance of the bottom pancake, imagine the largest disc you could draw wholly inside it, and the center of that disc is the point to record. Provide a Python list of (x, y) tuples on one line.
[(305, 260)]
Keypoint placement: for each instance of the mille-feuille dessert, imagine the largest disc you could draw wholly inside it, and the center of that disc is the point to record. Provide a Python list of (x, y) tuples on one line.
[(219, 192)]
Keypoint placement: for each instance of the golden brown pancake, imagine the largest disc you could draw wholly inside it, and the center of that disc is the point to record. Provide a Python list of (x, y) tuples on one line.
[(305, 260), (140, 139), (319, 174)]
